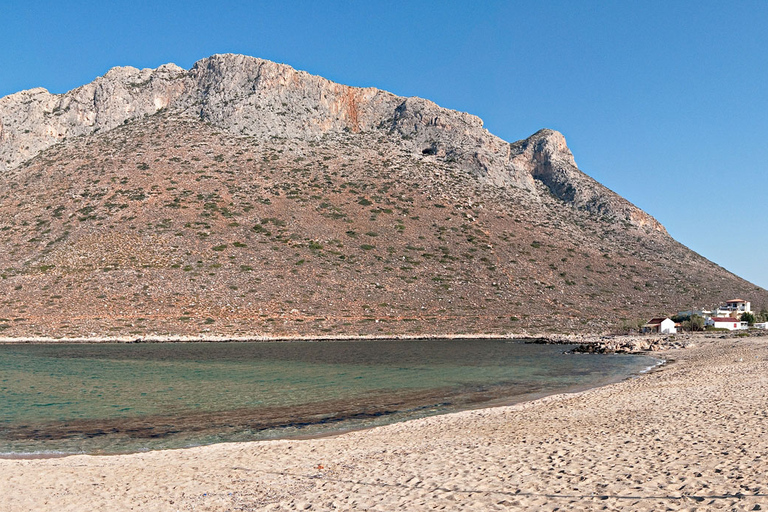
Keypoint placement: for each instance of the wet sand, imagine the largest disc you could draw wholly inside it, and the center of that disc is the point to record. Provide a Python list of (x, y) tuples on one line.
[(692, 435)]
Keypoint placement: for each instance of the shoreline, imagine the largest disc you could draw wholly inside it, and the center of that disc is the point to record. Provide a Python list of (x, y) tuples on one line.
[(343, 428), (254, 338), (492, 404), (599, 343), (690, 435)]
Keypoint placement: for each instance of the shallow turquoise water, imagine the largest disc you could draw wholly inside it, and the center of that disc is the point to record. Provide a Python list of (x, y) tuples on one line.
[(111, 398)]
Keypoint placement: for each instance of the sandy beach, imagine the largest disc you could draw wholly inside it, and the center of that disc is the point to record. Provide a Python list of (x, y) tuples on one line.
[(692, 435)]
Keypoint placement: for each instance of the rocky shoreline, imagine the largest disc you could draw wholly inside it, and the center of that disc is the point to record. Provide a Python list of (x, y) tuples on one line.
[(585, 343), (638, 343), (620, 344)]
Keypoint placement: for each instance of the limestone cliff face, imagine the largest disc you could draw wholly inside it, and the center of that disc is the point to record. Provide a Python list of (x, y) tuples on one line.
[(546, 156), (34, 120), (262, 98), (432, 131), (254, 97)]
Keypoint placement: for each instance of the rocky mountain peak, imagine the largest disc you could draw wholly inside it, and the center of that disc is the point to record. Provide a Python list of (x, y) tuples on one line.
[(263, 99), (31, 121), (243, 197), (546, 156), (549, 145)]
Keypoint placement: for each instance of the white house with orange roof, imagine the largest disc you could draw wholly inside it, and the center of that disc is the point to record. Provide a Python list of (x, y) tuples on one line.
[(661, 325), (734, 308)]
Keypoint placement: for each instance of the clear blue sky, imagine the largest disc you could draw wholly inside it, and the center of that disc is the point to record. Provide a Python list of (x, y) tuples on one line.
[(665, 102)]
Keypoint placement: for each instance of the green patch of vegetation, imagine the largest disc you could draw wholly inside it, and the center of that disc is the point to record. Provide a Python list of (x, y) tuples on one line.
[(261, 229), (275, 221)]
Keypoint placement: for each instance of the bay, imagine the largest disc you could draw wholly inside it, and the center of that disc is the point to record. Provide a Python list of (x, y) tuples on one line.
[(117, 398)]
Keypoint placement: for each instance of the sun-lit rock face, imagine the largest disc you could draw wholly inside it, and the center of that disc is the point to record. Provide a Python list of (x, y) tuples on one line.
[(36, 119), (263, 99), (546, 156)]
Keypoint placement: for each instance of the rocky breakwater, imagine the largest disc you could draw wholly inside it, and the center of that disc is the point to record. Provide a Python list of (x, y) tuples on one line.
[(621, 344)]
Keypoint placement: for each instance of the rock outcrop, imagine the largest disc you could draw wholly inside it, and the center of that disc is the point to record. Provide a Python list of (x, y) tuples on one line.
[(263, 99), (546, 156), (34, 120)]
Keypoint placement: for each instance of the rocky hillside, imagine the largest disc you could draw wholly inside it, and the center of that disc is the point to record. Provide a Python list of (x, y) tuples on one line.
[(244, 197)]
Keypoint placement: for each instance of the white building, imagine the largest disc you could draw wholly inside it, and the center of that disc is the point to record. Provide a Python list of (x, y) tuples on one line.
[(660, 325), (703, 313), (726, 323), (762, 325), (735, 307)]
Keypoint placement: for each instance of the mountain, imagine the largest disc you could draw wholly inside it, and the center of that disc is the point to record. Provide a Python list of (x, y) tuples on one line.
[(243, 197)]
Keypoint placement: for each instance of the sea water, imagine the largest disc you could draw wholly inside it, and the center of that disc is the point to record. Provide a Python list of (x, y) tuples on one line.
[(115, 398)]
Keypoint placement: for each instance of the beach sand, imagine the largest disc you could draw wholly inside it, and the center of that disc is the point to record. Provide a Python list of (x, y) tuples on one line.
[(692, 435)]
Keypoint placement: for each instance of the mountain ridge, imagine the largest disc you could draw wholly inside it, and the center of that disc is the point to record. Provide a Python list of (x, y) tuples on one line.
[(228, 90), (243, 197)]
